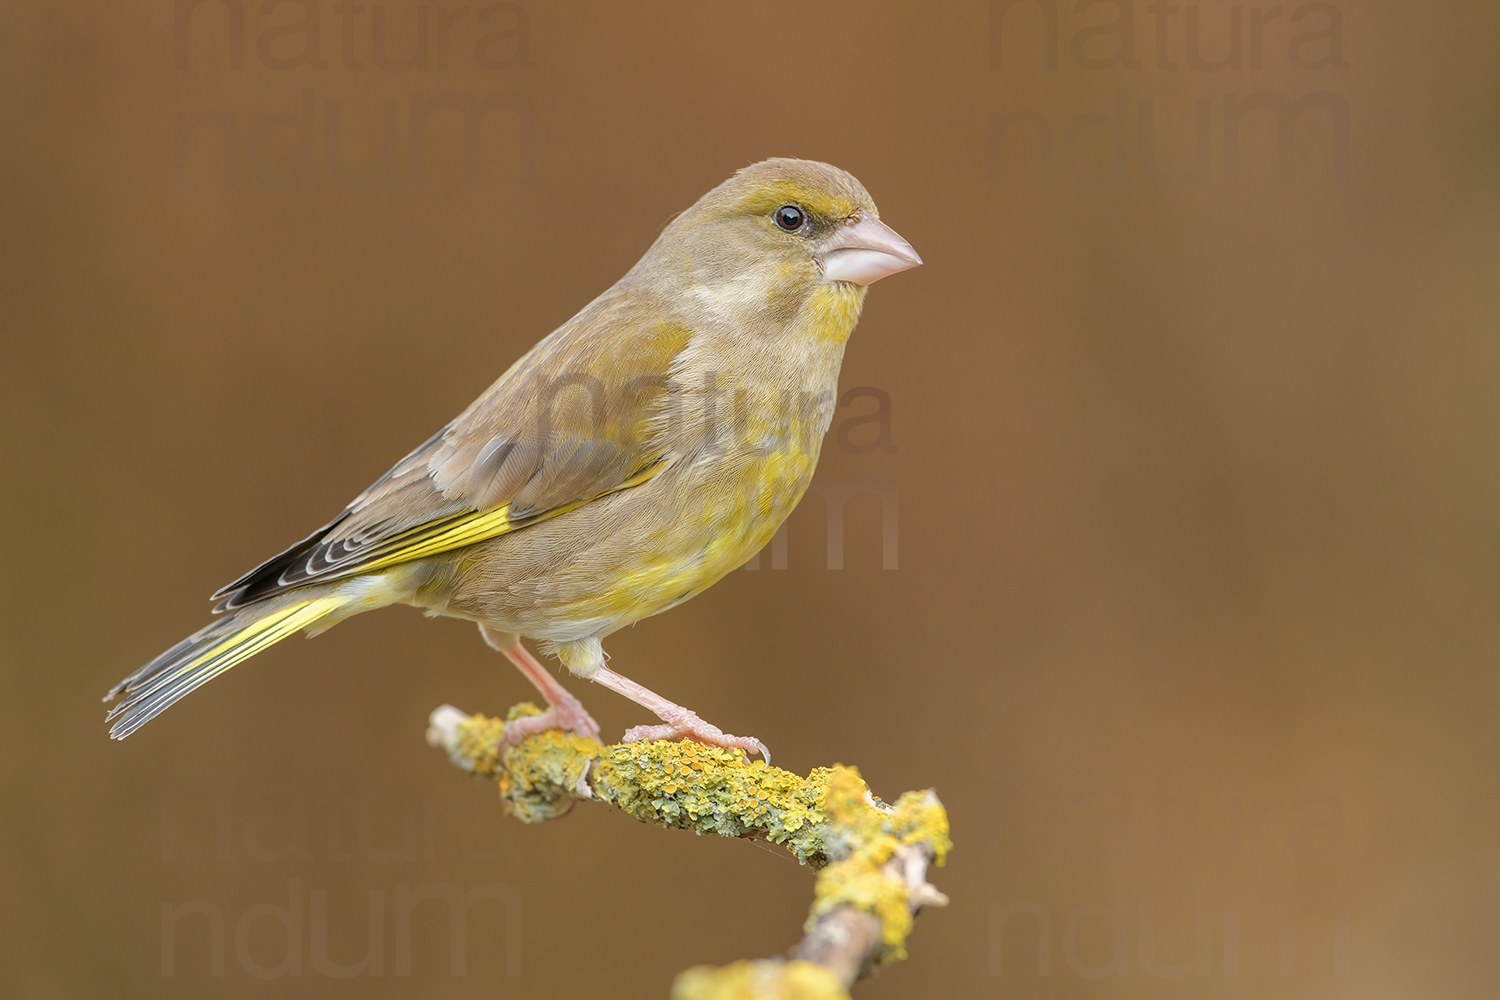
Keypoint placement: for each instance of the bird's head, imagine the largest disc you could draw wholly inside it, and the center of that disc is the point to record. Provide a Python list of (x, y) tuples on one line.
[(781, 231)]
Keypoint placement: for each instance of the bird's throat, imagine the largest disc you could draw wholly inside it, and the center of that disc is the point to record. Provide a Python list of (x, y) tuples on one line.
[(833, 309)]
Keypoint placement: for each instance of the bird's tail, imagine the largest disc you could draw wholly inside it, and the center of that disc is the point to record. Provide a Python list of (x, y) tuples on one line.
[(210, 651)]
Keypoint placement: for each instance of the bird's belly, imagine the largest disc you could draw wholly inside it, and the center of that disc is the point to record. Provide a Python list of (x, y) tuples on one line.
[(634, 554), (722, 521)]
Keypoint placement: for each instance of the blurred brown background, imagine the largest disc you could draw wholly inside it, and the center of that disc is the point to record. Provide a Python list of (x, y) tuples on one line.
[(1192, 625)]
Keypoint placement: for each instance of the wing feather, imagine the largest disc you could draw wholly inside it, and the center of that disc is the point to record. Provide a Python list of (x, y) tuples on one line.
[(533, 446)]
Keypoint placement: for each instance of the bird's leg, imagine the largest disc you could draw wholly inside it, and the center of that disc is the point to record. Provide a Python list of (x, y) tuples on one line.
[(678, 722), (563, 710)]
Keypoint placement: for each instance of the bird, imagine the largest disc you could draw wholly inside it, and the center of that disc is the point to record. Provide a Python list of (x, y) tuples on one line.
[(632, 458)]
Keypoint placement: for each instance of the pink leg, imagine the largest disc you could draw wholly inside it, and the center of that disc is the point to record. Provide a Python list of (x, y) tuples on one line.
[(563, 710), (679, 722)]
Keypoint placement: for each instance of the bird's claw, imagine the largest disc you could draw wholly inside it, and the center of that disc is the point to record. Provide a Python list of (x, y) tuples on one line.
[(694, 728), (569, 718)]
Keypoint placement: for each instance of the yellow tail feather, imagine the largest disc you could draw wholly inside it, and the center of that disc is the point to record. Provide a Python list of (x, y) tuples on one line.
[(208, 653)]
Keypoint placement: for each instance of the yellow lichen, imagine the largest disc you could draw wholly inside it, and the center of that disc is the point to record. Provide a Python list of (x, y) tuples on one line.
[(712, 790), (767, 979), (871, 836), (858, 882), (545, 774), (827, 818), (919, 817), (476, 743)]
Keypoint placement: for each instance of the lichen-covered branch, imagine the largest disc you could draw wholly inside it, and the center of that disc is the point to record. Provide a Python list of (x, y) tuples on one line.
[(872, 857)]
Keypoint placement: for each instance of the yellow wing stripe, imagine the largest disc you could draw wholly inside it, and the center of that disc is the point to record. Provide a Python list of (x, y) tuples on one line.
[(470, 529), (476, 527)]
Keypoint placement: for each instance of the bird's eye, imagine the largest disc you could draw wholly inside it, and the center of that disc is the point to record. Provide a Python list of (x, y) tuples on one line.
[(790, 218)]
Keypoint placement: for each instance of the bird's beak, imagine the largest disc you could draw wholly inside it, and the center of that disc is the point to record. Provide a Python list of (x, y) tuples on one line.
[(864, 250)]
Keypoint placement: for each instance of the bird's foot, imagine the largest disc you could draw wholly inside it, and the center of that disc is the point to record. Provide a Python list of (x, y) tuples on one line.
[(564, 711), (678, 722), (567, 714), (685, 724)]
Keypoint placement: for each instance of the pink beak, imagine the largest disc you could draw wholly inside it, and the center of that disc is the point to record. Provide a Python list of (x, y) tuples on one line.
[(864, 251)]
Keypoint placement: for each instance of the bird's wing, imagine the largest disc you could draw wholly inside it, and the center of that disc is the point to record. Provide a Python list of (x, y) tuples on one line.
[(578, 418)]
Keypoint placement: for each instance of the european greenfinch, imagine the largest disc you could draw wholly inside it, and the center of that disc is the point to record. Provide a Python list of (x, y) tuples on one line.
[(647, 447)]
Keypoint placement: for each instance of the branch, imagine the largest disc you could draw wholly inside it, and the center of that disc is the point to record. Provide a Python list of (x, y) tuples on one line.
[(872, 857)]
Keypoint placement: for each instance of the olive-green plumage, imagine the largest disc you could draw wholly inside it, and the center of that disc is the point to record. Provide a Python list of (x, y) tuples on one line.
[(644, 449)]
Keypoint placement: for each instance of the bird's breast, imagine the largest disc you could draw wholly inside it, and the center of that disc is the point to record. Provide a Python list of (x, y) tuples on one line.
[(752, 419)]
